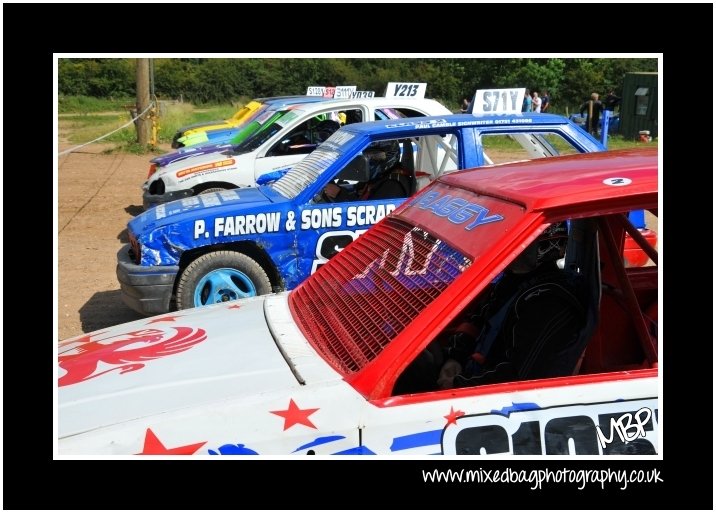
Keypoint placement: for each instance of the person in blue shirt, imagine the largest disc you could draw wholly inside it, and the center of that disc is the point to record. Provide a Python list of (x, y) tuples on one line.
[(527, 102)]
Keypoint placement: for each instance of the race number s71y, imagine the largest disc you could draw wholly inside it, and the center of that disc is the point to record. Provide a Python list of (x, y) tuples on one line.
[(498, 101)]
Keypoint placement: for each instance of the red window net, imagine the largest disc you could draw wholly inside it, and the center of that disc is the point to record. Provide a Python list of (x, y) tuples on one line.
[(366, 295)]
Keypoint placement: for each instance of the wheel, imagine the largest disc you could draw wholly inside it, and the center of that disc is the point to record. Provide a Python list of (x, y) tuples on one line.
[(220, 276), (212, 189)]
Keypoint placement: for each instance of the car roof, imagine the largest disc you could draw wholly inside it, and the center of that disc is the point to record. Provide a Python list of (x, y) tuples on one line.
[(554, 182), (380, 101), (290, 100), (458, 120)]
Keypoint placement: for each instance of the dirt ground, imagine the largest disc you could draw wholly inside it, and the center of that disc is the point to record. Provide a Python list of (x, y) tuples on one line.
[(98, 194)]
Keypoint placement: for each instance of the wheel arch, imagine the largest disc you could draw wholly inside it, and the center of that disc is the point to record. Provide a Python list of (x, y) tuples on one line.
[(248, 248), (198, 188)]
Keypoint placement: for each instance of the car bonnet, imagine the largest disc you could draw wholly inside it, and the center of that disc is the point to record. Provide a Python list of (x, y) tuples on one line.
[(179, 360)]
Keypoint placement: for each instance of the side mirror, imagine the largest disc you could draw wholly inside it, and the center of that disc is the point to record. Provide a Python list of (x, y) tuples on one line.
[(357, 171)]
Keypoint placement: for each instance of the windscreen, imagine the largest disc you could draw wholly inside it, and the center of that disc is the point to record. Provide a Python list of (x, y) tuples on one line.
[(309, 169)]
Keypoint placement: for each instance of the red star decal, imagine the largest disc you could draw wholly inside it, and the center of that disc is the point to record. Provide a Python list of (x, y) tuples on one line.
[(295, 415), (167, 319), (234, 307), (152, 445), (453, 416)]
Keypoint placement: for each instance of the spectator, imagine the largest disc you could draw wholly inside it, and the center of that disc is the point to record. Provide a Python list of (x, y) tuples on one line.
[(545, 100), (465, 106), (611, 101), (536, 102), (593, 107), (527, 102)]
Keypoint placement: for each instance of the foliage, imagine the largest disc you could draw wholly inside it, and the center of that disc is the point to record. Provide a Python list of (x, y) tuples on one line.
[(214, 80), (96, 77)]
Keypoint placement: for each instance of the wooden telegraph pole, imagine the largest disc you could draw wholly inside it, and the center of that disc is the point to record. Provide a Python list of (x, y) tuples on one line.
[(142, 123)]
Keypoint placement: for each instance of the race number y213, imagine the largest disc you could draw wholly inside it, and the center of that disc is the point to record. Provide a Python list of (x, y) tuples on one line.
[(405, 90)]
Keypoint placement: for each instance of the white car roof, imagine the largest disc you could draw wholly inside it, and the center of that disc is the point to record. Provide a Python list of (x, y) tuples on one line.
[(427, 104)]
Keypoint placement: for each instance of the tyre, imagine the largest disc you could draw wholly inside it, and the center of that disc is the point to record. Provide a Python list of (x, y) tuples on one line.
[(212, 189), (218, 277)]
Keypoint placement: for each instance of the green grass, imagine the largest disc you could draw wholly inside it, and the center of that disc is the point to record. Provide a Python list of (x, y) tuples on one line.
[(619, 142), (84, 126), (180, 114), (87, 104)]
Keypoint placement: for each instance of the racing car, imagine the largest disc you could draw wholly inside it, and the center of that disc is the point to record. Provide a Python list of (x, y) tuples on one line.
[(221, 135), (283, 139), (243, 242), (260, 119), (323, 369), (236, 120), (202, 134)]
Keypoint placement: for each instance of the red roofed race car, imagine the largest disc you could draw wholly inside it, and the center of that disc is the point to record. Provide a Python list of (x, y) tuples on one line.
[(406, 341)]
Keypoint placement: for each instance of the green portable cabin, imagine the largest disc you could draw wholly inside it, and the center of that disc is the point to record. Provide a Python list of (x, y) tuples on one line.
[(639, 108)]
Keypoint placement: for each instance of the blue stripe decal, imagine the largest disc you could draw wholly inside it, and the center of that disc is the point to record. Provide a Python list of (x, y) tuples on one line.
[(232, 449), (506, 410), (320, 441), (361, 450), (416, 440)]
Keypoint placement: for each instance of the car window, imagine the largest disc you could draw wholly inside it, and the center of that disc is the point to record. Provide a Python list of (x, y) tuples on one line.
[(387, 113), (306, 137), (500, 148), (575, 312), (270, 125)]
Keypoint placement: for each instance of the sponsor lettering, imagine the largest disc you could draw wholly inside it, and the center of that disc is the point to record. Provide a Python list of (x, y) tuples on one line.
[(239, 225), (321, 218), (360, 215), (204, 167), (456, 210)]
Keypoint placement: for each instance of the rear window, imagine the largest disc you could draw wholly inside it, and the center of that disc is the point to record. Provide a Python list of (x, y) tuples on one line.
[(367, 294), (363, 301)]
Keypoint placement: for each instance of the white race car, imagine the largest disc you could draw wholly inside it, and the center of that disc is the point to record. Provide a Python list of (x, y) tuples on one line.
[(290, 133)]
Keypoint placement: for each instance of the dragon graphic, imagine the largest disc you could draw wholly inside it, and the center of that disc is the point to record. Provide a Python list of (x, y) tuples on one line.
[(125, 352)]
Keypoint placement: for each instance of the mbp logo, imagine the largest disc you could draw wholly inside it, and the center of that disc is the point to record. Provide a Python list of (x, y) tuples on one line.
[(628, 427)]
